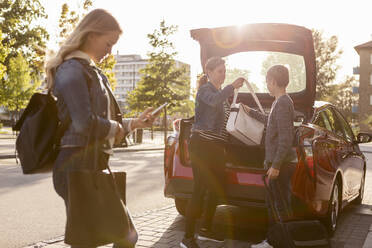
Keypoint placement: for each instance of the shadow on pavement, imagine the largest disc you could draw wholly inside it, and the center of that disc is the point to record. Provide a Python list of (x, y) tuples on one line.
[(239, 226), (242, 227)]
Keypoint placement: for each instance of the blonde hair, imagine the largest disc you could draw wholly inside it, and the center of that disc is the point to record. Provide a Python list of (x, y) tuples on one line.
[(97, 21), (211, 64)]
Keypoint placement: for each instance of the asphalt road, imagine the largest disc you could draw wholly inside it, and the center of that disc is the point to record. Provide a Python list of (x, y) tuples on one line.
[(30, 210)]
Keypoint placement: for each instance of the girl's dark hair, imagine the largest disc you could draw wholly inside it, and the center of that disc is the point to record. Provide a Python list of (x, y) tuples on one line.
[(280, 74), (211, 64)]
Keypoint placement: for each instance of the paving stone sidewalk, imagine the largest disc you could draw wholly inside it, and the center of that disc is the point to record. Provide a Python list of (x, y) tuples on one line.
[(163, 228)]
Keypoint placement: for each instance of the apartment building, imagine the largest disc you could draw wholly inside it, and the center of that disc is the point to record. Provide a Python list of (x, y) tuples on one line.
[(365, 84), (127, 74)]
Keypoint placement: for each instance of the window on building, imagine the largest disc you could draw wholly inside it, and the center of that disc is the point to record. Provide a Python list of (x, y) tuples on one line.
[(370, 79), (371, 58), (370, 99)]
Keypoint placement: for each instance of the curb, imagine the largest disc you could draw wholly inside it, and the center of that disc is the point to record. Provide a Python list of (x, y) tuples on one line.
[(138, 149), (120, 150), (7, 156)]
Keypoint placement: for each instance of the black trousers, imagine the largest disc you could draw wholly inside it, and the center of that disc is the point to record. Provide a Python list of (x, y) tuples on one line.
[(281, 196), (208, 163)]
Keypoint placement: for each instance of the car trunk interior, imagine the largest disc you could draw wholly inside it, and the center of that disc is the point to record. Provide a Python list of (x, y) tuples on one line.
[(238, 154)]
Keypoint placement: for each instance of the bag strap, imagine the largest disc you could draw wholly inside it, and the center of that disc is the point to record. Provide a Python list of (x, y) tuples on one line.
[(254, 96), (63, 126), (236, 92)]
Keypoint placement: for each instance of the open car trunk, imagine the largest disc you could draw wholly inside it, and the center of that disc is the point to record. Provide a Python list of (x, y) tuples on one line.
[(237, 153), (274, 37)]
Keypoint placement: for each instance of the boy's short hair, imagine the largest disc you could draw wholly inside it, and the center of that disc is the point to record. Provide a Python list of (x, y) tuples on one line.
[(280, 74)]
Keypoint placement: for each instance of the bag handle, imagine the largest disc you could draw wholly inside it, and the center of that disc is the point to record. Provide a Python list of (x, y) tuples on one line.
[(249, 86), (236, 91)]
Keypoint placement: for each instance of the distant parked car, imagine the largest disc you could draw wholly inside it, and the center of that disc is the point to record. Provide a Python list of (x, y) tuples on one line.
[(330, 172)]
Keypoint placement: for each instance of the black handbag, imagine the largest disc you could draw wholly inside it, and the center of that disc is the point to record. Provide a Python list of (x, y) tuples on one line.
[(96, 211)]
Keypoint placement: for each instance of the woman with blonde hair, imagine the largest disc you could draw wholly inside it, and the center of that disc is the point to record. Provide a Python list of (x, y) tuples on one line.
[(207, 146), (85, 100)]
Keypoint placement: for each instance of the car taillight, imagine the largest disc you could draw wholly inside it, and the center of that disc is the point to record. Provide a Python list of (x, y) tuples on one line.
[(308, 156)]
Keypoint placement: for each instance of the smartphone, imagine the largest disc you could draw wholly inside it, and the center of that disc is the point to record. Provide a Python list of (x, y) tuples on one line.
[(157, 110)]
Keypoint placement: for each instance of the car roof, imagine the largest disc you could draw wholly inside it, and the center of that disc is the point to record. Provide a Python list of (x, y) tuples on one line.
[(278, 37)]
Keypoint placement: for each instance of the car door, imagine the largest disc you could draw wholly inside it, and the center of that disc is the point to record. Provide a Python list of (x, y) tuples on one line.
[(324, 145), (343, 154), (352, 156)]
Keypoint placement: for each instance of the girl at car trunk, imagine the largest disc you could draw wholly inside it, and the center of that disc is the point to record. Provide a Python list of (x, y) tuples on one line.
[(206, 148)]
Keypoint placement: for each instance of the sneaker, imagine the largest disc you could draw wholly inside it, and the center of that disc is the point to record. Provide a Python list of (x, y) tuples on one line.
[(189, 243), (263, 244), (205, 234)]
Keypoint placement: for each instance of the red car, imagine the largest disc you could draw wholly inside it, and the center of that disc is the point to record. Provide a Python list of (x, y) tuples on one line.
[(331, 169)]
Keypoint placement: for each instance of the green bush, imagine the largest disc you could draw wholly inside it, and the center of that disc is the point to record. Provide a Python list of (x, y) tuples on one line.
[(1, 125)]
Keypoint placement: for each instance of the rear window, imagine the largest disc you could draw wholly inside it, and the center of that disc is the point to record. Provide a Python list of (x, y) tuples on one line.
[(254, 65)]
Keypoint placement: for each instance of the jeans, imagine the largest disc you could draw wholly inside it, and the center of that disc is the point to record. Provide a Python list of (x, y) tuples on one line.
[(208, 162)]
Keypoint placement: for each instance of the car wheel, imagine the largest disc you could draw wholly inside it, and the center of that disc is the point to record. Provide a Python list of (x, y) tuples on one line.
[(334, 208), (181, 205), (359, 199)]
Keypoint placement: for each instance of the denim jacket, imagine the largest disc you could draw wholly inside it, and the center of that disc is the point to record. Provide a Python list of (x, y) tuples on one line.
[(82, 94), (209, 111)]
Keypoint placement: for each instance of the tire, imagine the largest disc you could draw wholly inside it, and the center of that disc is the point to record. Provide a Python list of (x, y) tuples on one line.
[(181, 205), (334, 209), (359, 199)]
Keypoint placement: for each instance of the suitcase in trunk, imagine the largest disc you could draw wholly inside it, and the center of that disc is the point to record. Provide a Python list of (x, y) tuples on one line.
[(295, 233)]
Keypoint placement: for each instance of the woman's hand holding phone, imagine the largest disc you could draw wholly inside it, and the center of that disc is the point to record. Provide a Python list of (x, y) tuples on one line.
[(145, 119)]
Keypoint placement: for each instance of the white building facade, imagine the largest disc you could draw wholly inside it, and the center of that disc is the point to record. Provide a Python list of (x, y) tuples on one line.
[(127, 74)]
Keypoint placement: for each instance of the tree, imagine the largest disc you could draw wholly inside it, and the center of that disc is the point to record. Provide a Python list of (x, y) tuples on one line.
[(20, 87), (107, 65), (162, 80), (4, 51), (234, 73), (326, 56), (68, 20), (18, 24), (296, 65), (21, 37), (342, 96)]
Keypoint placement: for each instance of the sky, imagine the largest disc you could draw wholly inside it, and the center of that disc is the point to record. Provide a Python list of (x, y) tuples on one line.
[(350, 21)]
